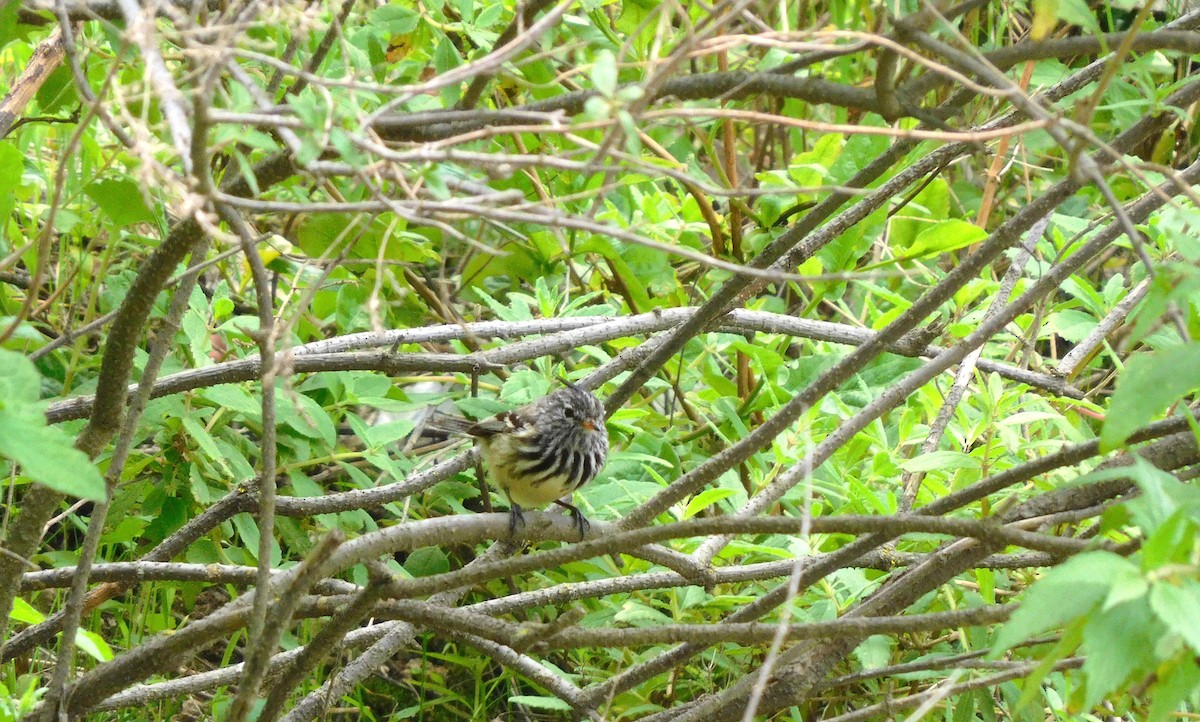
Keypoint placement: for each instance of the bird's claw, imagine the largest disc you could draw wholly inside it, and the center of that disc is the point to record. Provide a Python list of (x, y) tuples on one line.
[(516, 519), (577, 519)]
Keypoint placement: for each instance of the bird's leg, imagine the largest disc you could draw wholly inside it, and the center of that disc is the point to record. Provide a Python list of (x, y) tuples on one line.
[(583, 525), (516, 518)]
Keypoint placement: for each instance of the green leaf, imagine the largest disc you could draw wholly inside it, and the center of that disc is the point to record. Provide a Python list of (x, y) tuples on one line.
[(1172, 542), (58, 93), (445, 57), (945, 236), (1126, 585), (1071, 324), (875, 651), (234, 398), (46, 454), (22, 611), (382, 435), (810, 168), (705, 499), (1067, 591), (93, 645), (1175, 684), (195, 329), (1118, 643), (636, 614), (932, 204), (938, 460), (1077, 12), (427, 561), (121, 200), (1162, 494), (616, 259), (394, 19), (604, 73), (20, 382), (1150, 383), (206, 442), (547, 703), (8, 31), (1179, 608), (12, 165), (247, 531), (305, 415)]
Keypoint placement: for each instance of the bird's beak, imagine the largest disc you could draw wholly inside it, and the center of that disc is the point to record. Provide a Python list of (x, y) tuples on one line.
[(588, 424)]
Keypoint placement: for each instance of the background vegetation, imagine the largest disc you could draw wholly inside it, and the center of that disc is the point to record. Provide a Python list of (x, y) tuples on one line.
[(892, 306)]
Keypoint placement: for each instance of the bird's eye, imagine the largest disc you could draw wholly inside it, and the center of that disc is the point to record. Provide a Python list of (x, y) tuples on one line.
[(568, 412)]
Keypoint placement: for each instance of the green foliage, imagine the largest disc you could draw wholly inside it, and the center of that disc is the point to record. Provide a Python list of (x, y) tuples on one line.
[(91, 212), (45, 454), (1134, 618), (1151, 382), (90, 643)]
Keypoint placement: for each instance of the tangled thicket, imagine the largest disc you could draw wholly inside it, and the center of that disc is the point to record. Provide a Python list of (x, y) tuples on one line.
[(866, 292)]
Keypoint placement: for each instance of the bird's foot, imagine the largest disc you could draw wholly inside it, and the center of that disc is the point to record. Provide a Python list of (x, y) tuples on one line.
[(582, 524), (516, 519)]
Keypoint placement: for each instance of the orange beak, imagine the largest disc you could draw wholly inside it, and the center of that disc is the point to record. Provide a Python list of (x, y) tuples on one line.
[(588, 424)]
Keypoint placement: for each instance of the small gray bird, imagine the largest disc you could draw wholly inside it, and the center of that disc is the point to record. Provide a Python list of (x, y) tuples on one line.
[(542, 452)]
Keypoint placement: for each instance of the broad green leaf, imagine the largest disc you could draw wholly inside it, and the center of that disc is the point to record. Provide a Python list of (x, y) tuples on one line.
[(632, 281), (809, 169), (875, 651), (1162, 497), (931, 205), (57, 94), (636, 614), (195, 328), (121, 200), (8, 31), (89, 642), (304, 486), (394, 19), (247, 530), (305, 415), (1179, 609), (22, 611), (1118, 643), (427, 561), (1126, 585), (445, 57), (93, 645), (945, 236), (1172, 542), (1150, 383), (381, 435), (46, 454), (20, 382), (705, 499), (1067, 591), (235, 398), (1071, 324), (1078, 13), (604, 73)]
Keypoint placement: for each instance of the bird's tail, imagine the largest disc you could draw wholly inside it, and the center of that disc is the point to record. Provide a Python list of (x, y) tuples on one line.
[(435, 429)]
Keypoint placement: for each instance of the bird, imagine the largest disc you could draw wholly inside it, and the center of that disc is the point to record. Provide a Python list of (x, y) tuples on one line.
[(542, 452)]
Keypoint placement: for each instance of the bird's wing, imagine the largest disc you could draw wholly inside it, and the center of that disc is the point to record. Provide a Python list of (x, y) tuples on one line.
[(498, 424)]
